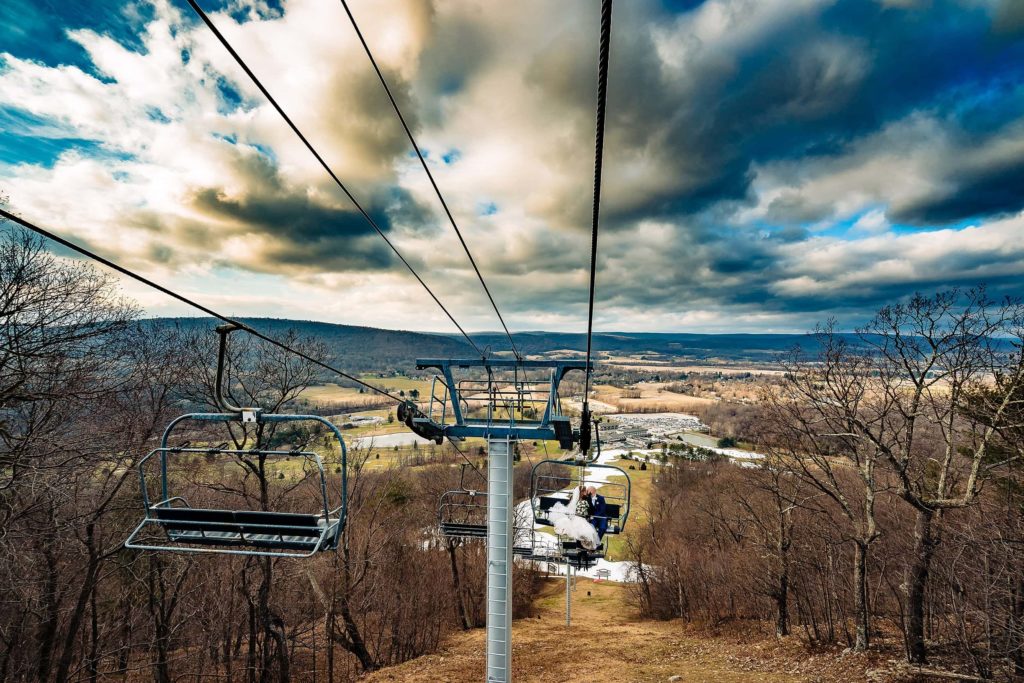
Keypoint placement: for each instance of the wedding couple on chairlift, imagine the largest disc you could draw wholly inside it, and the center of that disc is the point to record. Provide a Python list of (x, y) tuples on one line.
[(584, 518)]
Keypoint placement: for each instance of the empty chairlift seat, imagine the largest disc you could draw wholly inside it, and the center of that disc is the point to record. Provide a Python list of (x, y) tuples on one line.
[(172, 525), (237, 528), (462, 514)]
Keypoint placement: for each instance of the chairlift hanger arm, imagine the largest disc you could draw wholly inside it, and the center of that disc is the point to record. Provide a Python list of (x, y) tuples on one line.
[(551, 427), (221, 400), (561, 367)]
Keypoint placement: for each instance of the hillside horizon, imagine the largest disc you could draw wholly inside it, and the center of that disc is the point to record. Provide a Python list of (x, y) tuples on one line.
[(372, 348), (488, 333)]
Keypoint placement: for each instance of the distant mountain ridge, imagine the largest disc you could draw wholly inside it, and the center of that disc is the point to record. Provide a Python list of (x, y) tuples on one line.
[(371, 349), (750, 347), (353, 348)]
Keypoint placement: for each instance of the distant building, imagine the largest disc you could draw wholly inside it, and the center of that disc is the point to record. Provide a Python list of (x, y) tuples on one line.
[(632, 432), (612, 436)]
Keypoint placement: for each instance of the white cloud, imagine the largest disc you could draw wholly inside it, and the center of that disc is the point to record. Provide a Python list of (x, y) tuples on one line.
[(510, 87)]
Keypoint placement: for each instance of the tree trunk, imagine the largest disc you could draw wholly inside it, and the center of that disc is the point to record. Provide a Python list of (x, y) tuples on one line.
[(860, 590), (47, 635), (917, 585), (94, 637), (78, 615), (250, 656), (1017, 643), (351, 639), (124, 652), (460, 599), (161, 629), (782, 605), (782, 595)]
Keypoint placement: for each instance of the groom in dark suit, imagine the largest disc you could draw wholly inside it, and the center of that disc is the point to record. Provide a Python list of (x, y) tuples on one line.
[(598, 511)]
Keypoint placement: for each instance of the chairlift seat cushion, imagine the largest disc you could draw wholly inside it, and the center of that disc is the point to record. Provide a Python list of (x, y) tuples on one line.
[(461, 529), (279, 523), (199, 525), (573, 549), (244, 527)]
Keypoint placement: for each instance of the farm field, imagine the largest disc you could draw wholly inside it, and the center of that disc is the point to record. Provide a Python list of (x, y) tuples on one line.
[(397, 384), (335, 393), (653, 398), (725, 370)]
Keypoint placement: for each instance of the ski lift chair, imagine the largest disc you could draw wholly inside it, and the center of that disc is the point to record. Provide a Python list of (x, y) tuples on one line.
[(578, 557), (171, 524), (548, 487), (462, 512), (238, 532)]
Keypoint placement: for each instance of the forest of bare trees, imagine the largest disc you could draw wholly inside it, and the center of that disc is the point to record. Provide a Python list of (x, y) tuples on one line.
[(86, 388), (888, 512), (890, 500)]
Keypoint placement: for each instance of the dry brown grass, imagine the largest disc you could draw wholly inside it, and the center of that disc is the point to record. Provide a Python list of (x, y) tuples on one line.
[(606, 642)]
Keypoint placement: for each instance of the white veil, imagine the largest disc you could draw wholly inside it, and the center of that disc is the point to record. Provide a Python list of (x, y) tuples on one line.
[(574, 499), (568, 523)]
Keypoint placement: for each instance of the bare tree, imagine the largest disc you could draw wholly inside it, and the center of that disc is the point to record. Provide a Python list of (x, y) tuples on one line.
[(893, 402), (83, 387), (812, 420), (265, 376)]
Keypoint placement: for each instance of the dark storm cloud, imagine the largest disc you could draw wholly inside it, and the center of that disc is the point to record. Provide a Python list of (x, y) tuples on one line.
[(807, 86), (991, 190), (304, 231), (293, 215)]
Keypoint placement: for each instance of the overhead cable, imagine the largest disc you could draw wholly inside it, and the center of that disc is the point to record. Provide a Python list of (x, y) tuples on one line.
[(430, 175), (184, 299), (369, 219), (604, 51)]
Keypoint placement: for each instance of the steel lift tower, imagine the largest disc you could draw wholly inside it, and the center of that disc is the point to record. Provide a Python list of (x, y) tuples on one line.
[(499, 400)]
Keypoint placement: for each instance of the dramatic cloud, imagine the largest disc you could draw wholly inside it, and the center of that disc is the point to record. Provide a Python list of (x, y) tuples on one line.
[(769, 162)]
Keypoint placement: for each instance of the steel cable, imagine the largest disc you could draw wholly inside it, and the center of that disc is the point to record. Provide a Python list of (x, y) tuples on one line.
[(270, 98), (426, 168), (602, 98), (184, 299)]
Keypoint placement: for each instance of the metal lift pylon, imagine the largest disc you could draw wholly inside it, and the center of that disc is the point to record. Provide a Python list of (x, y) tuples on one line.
[(473, 408)]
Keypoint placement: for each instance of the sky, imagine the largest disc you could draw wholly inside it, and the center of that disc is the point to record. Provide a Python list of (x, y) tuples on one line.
[(769, 164)]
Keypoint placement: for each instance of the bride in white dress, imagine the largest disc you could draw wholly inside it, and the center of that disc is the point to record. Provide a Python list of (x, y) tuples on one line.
[(568, 523)]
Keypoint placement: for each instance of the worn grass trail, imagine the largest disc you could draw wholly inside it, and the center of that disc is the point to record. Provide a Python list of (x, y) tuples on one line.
[(605, 643)]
